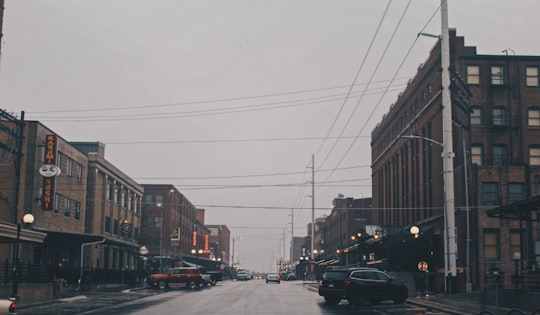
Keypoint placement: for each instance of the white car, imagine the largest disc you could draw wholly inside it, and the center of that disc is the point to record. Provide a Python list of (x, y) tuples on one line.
[(242, 276)]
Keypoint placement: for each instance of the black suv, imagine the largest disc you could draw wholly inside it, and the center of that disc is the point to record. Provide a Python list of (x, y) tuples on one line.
[(374, 286), (334, 282)]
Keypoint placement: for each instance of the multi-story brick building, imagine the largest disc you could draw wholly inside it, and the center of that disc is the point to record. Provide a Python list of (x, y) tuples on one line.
[(495, 108), (348, 217), (113, 209), (168, 220), (219, 239)]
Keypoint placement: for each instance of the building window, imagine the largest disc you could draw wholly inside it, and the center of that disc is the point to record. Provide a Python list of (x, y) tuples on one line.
[(516, 192), (159, 199), (534, 156), (490, 194), (515, 244), (69, 170), (476, 116), (108, 192), (67, 205), (531, 76), (473, 75), (115, 227), (500, 154), (117, 197), (77, 210), (534, 117), (108, 224), (497, 75), (59, 160), (491, 245), (147, 200), (476, 154), (157, 222), (500, 118), (79, 173), (56, 203)]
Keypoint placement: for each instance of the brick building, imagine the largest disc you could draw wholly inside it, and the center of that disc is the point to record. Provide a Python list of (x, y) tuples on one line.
[(220, 236), (495, 136)]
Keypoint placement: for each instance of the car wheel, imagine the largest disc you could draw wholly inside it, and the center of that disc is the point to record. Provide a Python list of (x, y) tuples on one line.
[(400, 299), (332, 300), (162, 285), (278, 282), (192, 285)]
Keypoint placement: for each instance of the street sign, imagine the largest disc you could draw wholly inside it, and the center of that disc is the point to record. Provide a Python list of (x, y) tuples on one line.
[(422, 266)]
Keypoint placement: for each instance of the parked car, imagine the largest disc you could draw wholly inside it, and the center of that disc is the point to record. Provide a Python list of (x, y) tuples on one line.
[(272, 277), (333, 286), (374, 286), (188, 277), (291, 276), (8, 306)]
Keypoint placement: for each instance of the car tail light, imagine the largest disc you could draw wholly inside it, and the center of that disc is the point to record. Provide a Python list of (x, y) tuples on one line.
[(12, 307), (347, 282)]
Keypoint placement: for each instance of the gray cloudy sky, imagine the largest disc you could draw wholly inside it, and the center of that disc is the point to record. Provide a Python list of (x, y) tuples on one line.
[(228, 100)]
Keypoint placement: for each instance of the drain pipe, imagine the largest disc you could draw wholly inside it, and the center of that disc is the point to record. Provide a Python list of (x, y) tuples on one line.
[(82, 260)]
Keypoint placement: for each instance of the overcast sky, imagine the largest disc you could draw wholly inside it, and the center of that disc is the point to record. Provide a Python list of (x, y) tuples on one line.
[(229, 100)]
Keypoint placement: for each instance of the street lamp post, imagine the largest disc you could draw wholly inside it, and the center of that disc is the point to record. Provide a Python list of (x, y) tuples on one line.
[(358, 238), (232, 258), (27, 220), (160, 206), (450, 245)]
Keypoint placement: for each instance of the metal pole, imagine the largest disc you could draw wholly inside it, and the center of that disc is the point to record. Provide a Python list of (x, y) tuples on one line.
[(15, 293), (82, 261), (450, 245), (292, 236), (161, 242), (468, 284), (312, 206)]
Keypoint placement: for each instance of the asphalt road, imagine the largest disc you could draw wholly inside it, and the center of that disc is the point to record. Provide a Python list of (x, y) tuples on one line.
[(253, 297)]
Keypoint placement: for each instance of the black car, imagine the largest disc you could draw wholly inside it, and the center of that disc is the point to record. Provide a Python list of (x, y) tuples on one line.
[(333, 286), (374, 286)]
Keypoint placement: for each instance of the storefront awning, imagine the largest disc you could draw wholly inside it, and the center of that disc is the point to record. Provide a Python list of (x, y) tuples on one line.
[(76, 239), (519, 210), (8, 234)]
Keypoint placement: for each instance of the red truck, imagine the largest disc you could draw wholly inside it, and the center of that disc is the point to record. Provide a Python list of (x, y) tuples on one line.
[(178, 277)]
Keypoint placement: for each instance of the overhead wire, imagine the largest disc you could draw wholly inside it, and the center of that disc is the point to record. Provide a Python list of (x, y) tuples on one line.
[(382, 96), (223, 100), (381, 20), (375, 70)]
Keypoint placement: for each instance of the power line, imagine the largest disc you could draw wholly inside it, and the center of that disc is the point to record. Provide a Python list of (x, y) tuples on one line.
[(154, 106)]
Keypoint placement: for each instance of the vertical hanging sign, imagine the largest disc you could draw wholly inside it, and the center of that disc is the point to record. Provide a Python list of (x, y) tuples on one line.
[(49, 171)]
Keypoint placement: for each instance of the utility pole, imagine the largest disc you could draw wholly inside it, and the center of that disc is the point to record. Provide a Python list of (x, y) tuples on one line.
[(312, 206), (292, 237), (450, 245)]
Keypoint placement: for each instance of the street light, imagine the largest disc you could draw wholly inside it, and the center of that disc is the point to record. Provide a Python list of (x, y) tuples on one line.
[(358, 238), (27, 220), (450, 245), (160, 238), (232, 258)]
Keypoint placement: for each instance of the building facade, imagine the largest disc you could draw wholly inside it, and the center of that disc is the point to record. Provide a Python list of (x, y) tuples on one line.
[(494, 101)]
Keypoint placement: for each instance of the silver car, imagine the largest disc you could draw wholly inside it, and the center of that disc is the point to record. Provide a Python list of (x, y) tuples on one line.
[(272, 277)]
